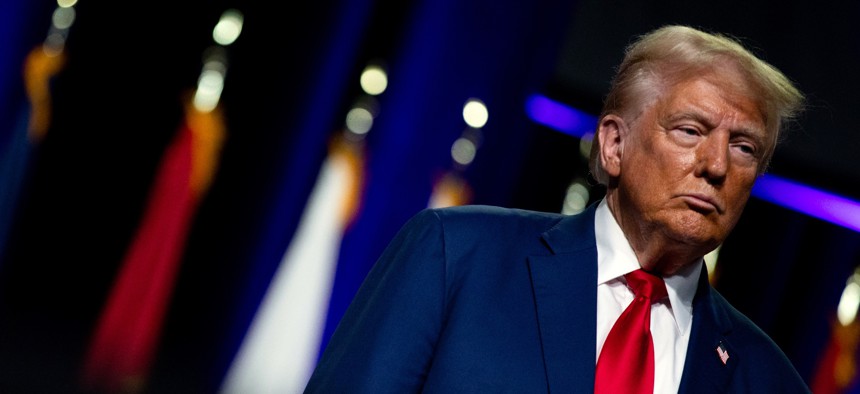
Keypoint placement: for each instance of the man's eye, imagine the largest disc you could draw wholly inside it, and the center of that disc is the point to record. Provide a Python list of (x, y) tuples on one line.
[(689, 130)]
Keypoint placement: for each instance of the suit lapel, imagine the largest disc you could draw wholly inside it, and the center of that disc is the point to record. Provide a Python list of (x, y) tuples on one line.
[(704, 371), (565, 290)]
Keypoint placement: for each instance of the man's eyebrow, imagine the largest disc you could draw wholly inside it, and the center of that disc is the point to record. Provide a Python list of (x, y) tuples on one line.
[(746, 129), (692, 115)]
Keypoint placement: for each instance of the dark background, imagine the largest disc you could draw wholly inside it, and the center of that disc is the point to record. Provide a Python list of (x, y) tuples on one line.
[(291, 80)]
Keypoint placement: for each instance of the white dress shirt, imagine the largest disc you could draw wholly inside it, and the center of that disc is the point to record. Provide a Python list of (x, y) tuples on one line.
[(671, 319)]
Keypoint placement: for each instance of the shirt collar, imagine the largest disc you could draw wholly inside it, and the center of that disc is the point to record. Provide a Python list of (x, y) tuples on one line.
[(615, 258)]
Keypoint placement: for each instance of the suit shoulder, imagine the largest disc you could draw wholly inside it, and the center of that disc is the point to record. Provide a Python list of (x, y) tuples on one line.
[(740, 322), (493, 218), (483, 222), (494, 214)]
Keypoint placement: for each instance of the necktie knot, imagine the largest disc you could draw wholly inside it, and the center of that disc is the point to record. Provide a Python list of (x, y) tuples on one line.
[(646, 285)]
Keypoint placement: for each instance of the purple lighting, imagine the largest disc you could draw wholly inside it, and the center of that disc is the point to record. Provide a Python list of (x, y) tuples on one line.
[(780, 191), (816, 203), (559, 116)]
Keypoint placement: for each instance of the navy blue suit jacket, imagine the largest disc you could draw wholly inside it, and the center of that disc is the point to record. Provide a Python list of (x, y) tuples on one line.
[(483, 299)]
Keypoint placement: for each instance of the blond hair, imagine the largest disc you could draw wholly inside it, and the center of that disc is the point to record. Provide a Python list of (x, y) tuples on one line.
[(672, 54)]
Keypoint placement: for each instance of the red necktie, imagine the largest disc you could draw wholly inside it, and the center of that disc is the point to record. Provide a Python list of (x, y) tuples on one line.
[(626, 363)]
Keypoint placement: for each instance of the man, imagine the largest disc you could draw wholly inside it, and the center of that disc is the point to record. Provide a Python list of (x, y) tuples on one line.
[(485, 299)]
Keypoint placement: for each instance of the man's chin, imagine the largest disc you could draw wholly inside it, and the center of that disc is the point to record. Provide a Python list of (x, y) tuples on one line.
[(697, 231)]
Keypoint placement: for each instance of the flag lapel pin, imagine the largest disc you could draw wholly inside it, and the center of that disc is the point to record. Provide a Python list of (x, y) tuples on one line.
[(722, 352)]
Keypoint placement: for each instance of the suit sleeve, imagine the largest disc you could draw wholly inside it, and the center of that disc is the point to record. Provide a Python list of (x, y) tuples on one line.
[(385, 341)]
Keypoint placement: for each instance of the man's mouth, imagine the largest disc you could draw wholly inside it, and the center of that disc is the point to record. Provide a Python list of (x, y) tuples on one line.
[(702, 203)]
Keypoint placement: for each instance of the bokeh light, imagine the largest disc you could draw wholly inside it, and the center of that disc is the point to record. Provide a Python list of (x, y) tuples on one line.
[(373, 80), (475, 113), (228, 28), (846, 312), (359, 120), (575, 199), (463, 151)]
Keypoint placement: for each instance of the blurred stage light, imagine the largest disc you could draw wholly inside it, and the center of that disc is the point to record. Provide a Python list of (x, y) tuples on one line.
[(816, 203), (63, 17), (54, 44), (209, 86), (475, 113), (359, 120), (61, 20), (559, 116), (711, 260), (463, 151), (575, 199), (373, 80), (66, 3), (228, 28), (846, 312), (585, 144)]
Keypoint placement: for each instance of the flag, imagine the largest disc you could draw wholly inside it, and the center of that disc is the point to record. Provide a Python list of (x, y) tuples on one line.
[(34, 118), (126, 336), (837, 369), (723, 353), (280, 349)]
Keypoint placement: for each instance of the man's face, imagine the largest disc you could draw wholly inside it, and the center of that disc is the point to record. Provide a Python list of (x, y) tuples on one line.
[(689, 161)]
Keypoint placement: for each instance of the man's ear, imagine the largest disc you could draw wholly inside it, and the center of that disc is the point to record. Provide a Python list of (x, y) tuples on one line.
[(611, 132)]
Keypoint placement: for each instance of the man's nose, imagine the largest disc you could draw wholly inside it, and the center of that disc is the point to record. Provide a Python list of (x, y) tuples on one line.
[(713, 157)]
